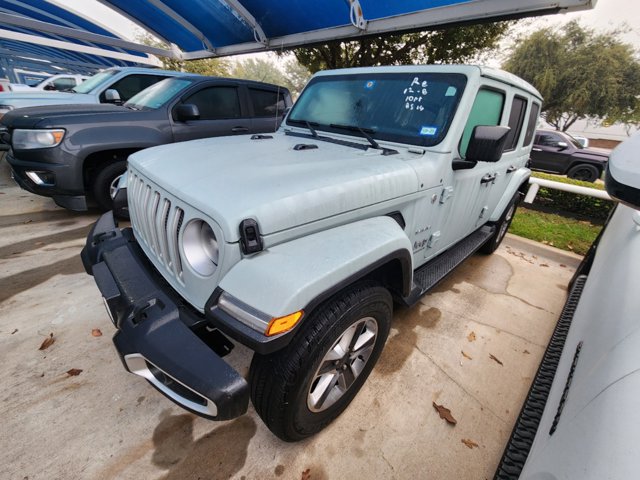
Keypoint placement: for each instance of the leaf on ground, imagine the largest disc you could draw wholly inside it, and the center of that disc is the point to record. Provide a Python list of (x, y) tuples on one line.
[(47, 342), (445, 413), (544, 264), (495, 359), (306, 474), (74, 372), (470, 443), (527, 352), (27, 221), (96, 332), (562, 265), (15, 331), (472, 337), (570, 247), (465, 355), (37, 244)]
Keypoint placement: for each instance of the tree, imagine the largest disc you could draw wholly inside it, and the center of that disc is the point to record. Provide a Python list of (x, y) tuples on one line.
[(294, 76), (580, 73), (206, 66), (451, 45)]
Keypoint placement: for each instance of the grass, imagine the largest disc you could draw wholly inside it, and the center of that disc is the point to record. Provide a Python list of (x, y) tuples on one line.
[(560, 232)]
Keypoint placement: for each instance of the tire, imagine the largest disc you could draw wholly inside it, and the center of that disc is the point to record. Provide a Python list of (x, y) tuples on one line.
[(584, 172), (104, 182), (502, 225), (287, 386)]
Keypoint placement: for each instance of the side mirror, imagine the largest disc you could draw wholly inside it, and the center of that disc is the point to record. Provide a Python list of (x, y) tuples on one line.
[(112, 96), (186, 112), (622, 177), (487, 143), (49, 87), (562, 145)]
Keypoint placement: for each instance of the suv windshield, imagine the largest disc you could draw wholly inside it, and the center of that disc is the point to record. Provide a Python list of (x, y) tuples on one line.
[(93, 82), (413, 108), (158, 94)]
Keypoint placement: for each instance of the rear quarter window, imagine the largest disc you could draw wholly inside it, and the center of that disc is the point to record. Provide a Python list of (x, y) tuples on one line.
[(531, 124)]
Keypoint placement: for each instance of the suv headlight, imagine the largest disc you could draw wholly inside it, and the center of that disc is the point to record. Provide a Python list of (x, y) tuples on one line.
[(28, 139), (200, 247)]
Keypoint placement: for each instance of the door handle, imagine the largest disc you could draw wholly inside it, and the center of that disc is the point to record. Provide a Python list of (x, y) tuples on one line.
[(488, 178), (536, 149), (511, 169), (239, 129)]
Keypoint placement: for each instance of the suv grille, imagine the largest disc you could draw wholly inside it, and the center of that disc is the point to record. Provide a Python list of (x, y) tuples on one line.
[(157, 222)]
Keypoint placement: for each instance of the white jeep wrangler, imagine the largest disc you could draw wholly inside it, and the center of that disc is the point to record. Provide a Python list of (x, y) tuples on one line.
[(297, 244)]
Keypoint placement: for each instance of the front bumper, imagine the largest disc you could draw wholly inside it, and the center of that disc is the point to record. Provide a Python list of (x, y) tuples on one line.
[(156, 336), (63, 186)]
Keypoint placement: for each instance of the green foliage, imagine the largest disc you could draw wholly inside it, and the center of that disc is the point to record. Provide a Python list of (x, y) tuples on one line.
[(294, 77), (206, 66), (555, 230), (574, 204), (451, 45), (580, 73)]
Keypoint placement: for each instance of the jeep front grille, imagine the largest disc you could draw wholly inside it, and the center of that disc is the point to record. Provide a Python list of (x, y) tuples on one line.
[(157, 223)]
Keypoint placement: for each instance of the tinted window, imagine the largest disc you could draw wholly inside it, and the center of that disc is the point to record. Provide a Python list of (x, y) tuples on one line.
[(266, 103), (549, 139), (531, 124), (159, 93), (216, 103), (516, 118), (128, 86), (413, 108), (487, 110)]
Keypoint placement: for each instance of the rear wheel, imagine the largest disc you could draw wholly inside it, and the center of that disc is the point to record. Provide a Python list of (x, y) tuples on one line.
[(299, 390), (584, 172), (502, 226), (105, 183)]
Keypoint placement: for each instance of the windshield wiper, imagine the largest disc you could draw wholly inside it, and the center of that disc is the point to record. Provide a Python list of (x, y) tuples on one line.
[(365, 133), (309, 125)]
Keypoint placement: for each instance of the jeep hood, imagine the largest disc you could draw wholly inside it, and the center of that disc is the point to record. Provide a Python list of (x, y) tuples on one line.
[(54, 115), (234, 178)]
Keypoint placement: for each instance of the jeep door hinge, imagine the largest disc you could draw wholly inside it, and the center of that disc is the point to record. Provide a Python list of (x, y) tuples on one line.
[(447, 193)]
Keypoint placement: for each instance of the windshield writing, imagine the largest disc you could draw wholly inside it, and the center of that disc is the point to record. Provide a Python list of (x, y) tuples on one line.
[(407, 107), (93, 82), (158, 94)]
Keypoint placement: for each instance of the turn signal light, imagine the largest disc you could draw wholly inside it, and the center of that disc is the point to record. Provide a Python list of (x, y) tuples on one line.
[(283, 324)]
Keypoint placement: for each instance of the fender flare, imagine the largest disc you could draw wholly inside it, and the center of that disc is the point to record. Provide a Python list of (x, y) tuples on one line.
[(300, 274)]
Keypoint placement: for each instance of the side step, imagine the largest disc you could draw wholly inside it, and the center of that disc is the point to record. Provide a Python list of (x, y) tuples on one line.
[(517, 450), (431, 273)]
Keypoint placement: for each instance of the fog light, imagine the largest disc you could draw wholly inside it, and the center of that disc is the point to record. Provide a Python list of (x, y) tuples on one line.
[(43, 179)]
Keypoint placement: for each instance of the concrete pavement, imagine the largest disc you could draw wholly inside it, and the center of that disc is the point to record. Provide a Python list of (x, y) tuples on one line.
[(472, 345)]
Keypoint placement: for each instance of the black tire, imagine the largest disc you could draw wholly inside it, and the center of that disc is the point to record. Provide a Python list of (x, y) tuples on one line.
[(584, 172), (502, 225), (286, 386), (103, 183)]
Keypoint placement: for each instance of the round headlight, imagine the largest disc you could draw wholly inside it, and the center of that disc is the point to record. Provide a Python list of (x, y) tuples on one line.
[(200, 247)]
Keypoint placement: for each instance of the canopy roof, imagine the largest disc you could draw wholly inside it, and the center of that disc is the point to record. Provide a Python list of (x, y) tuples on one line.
[(211, 28)]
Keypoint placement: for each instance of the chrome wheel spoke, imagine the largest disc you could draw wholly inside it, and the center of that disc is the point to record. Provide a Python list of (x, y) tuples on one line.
[(323, 389), (326, 367)]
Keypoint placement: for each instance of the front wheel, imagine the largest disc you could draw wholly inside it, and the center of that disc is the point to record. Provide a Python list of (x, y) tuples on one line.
[(584, 172), (105, 183), (300, 389)]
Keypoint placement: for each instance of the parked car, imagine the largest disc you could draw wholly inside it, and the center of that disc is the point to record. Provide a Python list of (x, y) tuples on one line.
[(62, 82), (69, 152), (559, 152), (5, 85), (114, 85), (296, 244), (580, 417)]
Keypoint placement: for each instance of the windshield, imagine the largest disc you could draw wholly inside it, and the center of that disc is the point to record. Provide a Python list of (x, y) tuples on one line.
[(158, 94), (414, 108), (93, 82)]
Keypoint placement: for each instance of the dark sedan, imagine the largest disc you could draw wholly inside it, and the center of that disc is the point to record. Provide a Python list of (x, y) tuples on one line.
[(558, 152), (71, 152)]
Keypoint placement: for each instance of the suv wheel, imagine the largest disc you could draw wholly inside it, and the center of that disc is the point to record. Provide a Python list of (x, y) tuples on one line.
[(300, 389), (584, 172), (105, 181), (502, 225)]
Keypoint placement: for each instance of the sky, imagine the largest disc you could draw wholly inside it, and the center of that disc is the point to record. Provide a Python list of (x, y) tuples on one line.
[(607, 15)]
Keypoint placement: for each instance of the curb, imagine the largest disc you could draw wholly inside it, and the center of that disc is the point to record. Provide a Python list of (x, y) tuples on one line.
[(542, 250)]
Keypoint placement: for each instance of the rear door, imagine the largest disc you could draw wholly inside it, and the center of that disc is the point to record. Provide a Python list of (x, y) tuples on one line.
[(222, 112)]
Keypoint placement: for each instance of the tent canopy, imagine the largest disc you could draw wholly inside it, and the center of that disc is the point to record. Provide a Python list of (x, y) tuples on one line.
[(213, 28)]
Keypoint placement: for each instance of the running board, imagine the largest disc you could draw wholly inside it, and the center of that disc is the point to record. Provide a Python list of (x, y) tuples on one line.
[(432, 272)]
